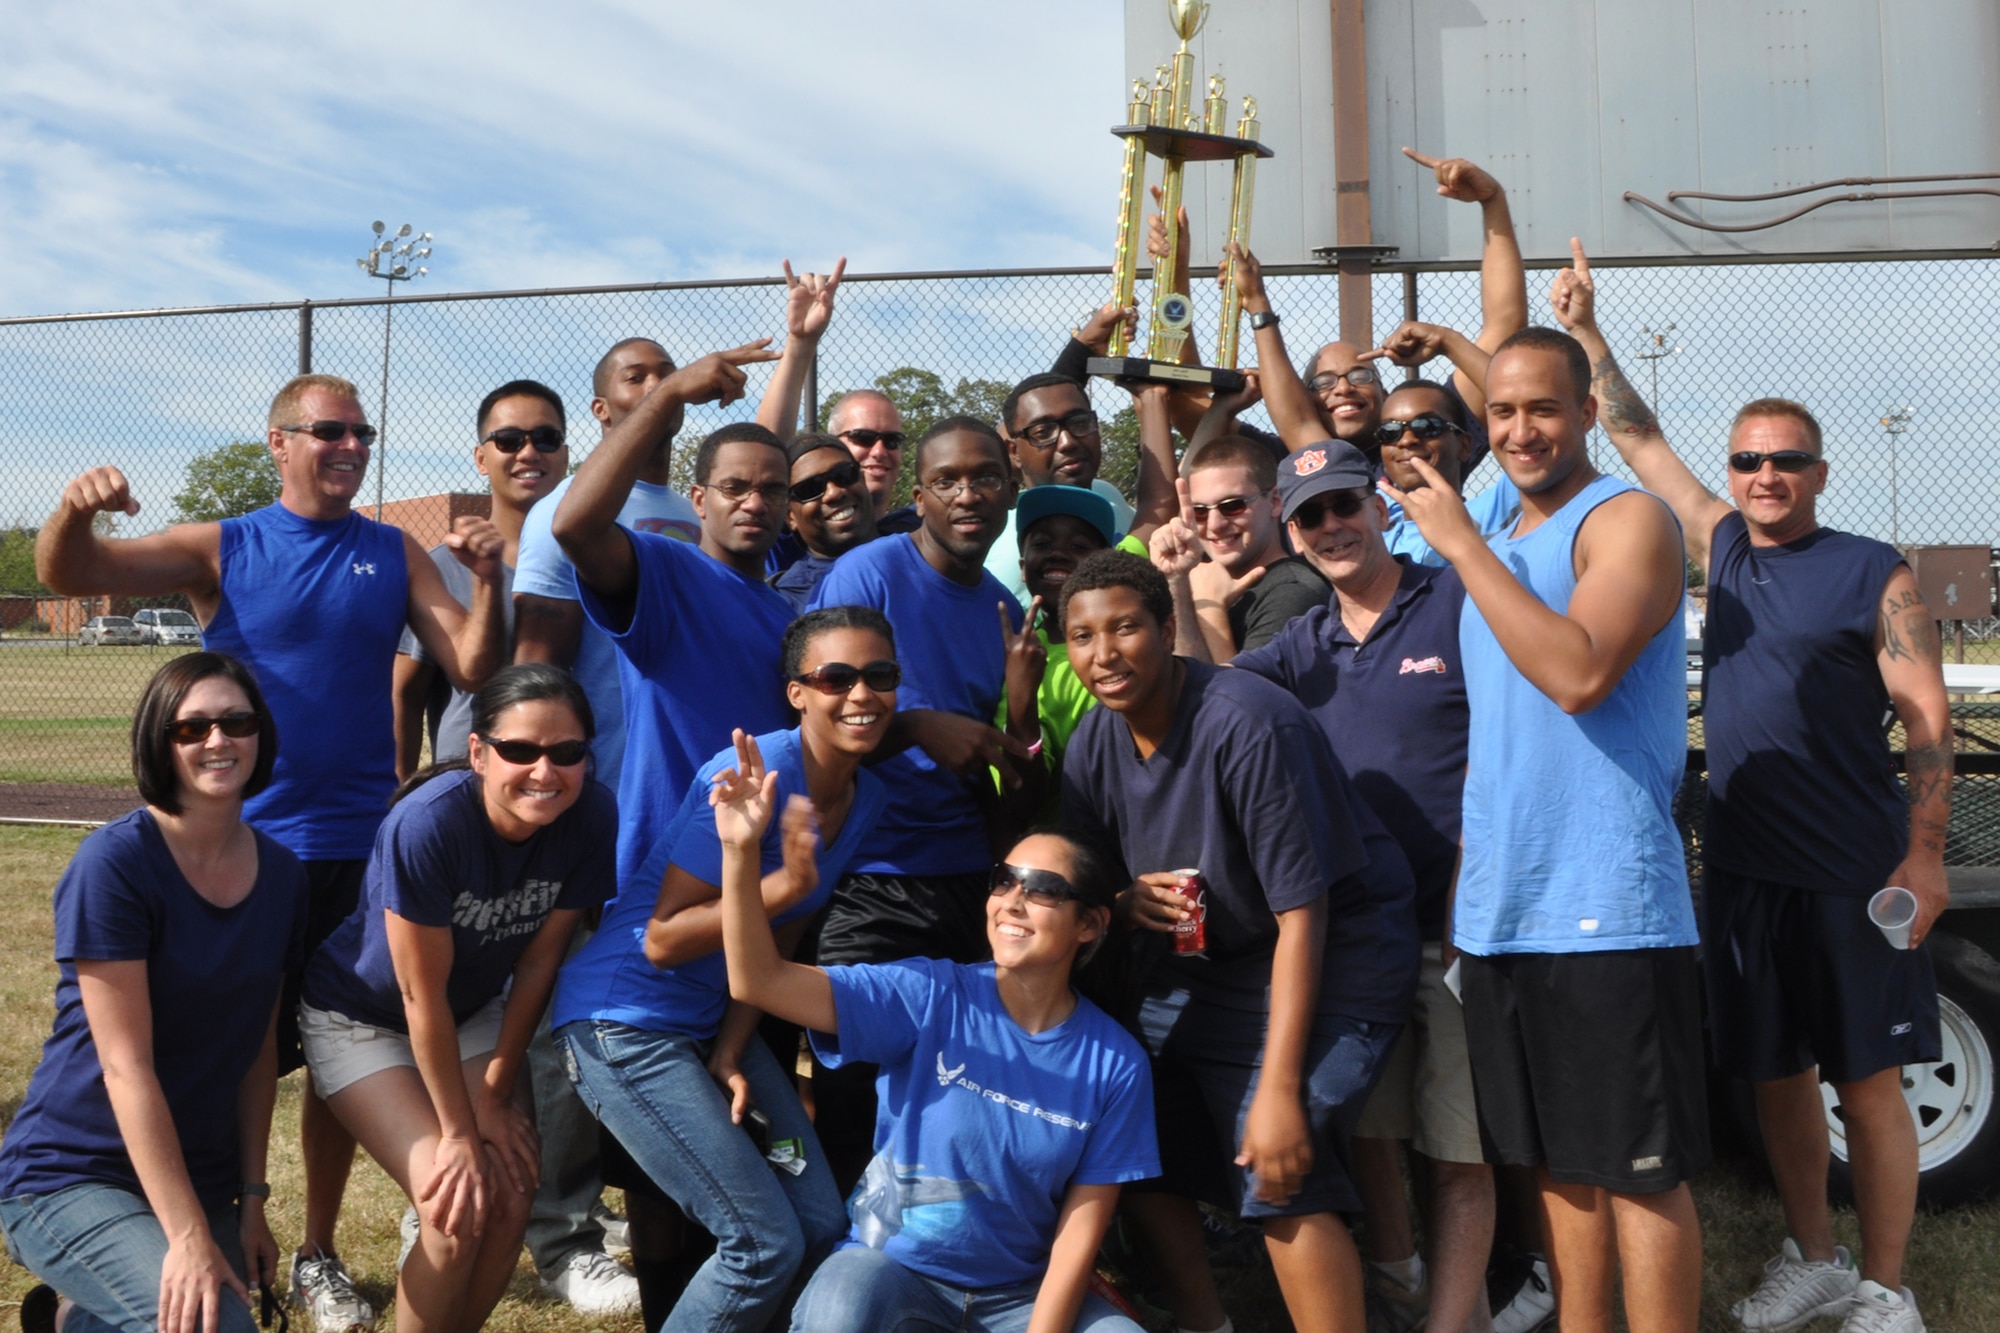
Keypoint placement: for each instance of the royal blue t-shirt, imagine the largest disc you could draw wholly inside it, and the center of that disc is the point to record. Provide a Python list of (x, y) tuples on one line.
[(212, 979), (1245, 788), (315, 609), (981, 1126), (1394, 710), (1801, 786), (702, 655), (948, 641), (611, 980), (439, 862)]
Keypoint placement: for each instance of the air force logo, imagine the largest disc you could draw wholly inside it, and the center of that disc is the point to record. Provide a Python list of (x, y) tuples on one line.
[(1308, 461), (945, 1076)]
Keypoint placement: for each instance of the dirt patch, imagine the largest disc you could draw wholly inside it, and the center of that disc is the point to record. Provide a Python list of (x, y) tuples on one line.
[(65, 800)]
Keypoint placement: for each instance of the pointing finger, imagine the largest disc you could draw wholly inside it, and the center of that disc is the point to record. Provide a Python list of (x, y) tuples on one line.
[(1420, 159), (1578, 258), (839, 267), (1006, 624), (790, 281), (760, 350), (1187, 501)]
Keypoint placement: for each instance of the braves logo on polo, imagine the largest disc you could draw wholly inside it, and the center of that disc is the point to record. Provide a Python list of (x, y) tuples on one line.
[(1432, 663), (1309, 461)]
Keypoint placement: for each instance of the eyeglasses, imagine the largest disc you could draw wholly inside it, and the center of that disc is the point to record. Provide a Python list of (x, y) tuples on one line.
[(1043, 888), (1749, 461), (868, 439), (509, 439), (332, 431), (736, 490), (1232, 508), (194, 730), (1044, 430), (1329, 380), (563, 754), (1341, 504), (838, 677), (844, 475), (986, 483), (1429, 426)]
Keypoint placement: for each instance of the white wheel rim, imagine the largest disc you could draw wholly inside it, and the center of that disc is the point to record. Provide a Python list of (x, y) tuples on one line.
[(1950, 1100)]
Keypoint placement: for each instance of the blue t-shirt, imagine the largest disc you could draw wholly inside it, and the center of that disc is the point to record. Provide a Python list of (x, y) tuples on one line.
[(543, 570), (1570, 841), (981, 1126), (1493, 510), (1246, 788), (212, 980), (948, 641), (439, 862), (702, 655), (798, 578), (315, 609), (610, 978), (1801, 786), (1394, 710)]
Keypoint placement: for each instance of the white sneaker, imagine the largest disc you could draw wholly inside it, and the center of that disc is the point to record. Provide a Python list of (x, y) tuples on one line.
[(322, 1288), (1876, 1309), (617, 1231), (594, 1283), (1797, 1290), (1532, 1305)]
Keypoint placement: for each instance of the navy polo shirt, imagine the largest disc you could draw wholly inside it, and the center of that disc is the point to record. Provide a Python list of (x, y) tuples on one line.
[(1394, 709), (1245, 787)]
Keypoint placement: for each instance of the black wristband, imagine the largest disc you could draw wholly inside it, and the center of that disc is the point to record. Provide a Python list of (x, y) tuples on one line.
[(1263, 319), (253, 1189)]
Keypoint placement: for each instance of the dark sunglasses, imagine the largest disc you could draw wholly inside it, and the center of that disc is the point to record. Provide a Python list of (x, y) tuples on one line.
[(1750, 462), (509, 439), (563, 754), (1341, 504), (868, 439), (1426, 427), (1233, 507), (331, 431), (843, 475), (194, 730), (838, 677), (1043, 888)]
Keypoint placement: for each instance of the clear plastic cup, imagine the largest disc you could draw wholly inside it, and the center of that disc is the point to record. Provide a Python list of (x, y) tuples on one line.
[(1894, 911)]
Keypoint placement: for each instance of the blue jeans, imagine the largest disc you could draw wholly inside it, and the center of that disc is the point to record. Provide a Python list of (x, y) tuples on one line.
[(653, 1091), (101, 1247), (860, 1290)]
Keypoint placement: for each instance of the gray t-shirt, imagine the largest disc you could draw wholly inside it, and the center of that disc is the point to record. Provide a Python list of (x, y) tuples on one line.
[(448, 711)]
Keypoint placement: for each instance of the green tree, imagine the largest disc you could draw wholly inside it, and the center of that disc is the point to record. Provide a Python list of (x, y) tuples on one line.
[(227, 481), (17, 564)]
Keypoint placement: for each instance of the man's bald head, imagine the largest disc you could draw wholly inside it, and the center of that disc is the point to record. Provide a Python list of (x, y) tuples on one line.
[(878, 409)]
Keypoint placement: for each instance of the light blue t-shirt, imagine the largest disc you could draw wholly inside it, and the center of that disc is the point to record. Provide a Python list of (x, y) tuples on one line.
[(981, 1126), (1570, 842), (948, 641), (1493, 510), (544, 571), (1003, 562), (611, 980)]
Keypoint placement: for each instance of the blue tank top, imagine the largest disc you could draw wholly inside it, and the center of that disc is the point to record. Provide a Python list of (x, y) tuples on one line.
[(1570, 844), (1801, 787), (315, 609)]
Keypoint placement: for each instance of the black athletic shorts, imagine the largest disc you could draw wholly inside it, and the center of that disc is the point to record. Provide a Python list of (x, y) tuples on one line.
[(333, 891), (1798, 978), (1590, 1063), (880, 918)]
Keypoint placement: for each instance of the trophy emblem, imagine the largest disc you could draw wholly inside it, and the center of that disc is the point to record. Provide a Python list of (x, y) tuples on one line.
[(1163, 121)]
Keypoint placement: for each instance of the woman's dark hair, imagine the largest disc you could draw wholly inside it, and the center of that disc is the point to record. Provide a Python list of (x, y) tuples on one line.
[(801, 632), (1114, 568), (153, 751), (1095, 878), (524, 683)]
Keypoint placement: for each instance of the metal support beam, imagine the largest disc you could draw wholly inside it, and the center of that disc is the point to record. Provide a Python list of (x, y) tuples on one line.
[(1353, 226), (305, 337)]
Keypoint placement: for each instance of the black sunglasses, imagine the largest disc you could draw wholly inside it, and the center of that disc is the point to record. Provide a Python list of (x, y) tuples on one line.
[(331, 431), (563, 754), (1341, 504), (1043, 888), (509, 439), (868, 439), (194, 730), (843, 475), (1233, 507), (838, 677), (1426, 427), (1750, 462)]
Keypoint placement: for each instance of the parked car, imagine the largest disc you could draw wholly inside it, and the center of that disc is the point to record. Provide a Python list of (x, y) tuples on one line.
[(167, 627), (108, 629)]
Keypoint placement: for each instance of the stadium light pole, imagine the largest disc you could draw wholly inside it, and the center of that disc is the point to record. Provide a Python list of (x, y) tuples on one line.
[(1655, 351), (392, 259), (1895, 421)]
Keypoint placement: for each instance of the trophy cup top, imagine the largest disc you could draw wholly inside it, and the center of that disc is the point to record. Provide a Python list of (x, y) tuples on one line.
[(1187, 16)]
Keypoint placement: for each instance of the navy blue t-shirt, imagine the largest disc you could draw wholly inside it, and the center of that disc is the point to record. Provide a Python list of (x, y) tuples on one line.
[(1394, 710), (948, 641), (1801, 787), (798, 579), (1246, 788), (212, 978), (439, 862)]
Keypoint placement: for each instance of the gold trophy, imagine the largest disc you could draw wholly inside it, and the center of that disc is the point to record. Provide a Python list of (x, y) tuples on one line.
[(1166, 123)]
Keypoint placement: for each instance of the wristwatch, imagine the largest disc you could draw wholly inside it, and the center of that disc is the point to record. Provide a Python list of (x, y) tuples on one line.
[(1263, 319)]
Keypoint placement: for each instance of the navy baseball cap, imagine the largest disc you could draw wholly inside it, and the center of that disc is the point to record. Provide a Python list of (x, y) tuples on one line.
[(1330, 465), (1039, 502)]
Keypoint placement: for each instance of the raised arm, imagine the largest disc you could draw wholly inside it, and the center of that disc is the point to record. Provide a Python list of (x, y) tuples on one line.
[(547, 629), (1157, 467), (1503, 283), (1293, 409), (1634, 430), (1414, 342), (808, 310), (1911, 660), (468, 643), (73, 560)]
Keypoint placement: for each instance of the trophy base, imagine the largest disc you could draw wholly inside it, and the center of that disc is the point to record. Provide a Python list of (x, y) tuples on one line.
[(1143, 370)]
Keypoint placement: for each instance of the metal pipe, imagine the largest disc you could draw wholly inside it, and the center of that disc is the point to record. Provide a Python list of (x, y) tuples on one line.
[(1352, 225), (305, 337), (1869, 197), (1831, 185)]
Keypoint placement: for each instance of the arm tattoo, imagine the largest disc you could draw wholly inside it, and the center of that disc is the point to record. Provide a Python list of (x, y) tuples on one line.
[(1927, 769), (1908, 632), (1619, 406)]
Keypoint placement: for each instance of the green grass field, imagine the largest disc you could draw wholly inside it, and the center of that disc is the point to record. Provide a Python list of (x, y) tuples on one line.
[(1954, 1260), (66, 712)]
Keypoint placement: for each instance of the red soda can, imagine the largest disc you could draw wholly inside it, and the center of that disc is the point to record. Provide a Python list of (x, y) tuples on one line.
[(1191, 935)]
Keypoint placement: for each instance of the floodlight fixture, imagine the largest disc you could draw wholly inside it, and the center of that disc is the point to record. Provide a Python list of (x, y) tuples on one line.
[(391, 262)]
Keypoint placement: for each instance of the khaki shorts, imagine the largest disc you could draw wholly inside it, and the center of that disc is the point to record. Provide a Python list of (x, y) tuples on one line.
[(341, 1052), (1425, 1094)]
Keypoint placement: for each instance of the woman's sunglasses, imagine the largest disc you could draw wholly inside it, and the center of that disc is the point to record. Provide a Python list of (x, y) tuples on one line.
[(194, 730), (1043, 888), (838, 677), (563, 754)]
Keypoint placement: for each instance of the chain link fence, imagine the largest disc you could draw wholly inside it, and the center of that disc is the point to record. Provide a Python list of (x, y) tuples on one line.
[(162, 392)]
